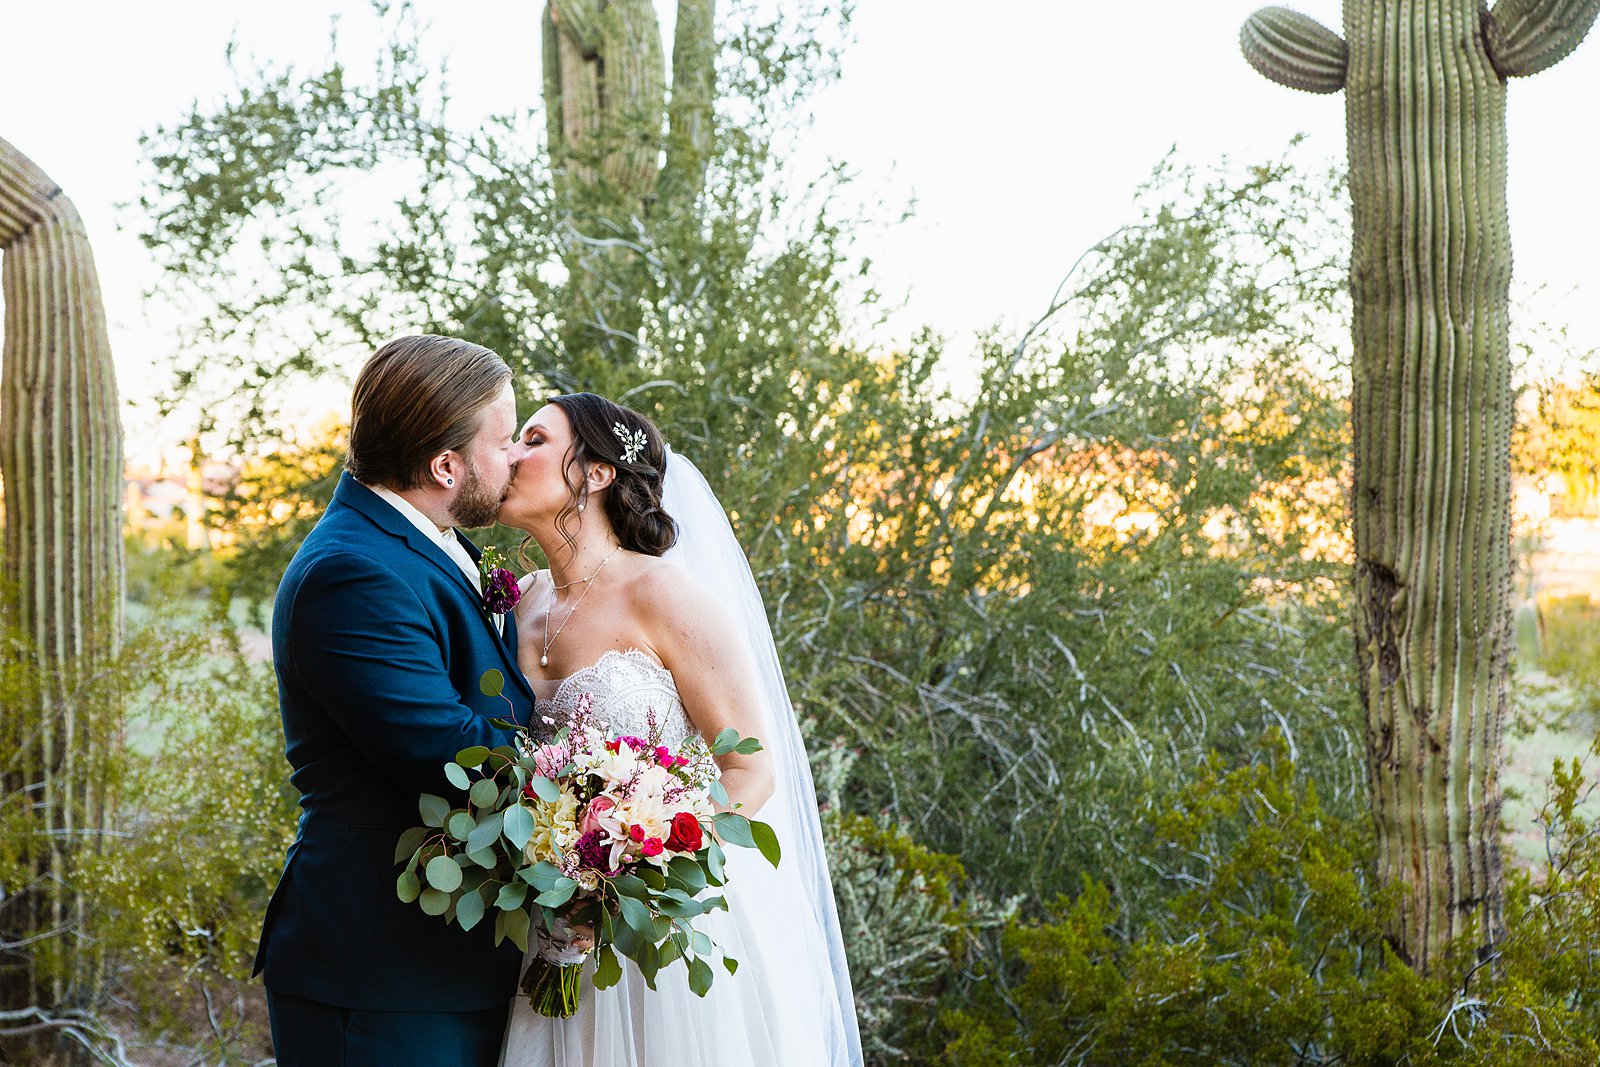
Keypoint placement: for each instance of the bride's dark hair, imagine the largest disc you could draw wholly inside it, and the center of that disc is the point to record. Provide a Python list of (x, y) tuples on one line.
[(633, 503)]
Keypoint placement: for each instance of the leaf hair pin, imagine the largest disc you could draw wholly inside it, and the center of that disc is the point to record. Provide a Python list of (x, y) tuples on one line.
[(632, 442)]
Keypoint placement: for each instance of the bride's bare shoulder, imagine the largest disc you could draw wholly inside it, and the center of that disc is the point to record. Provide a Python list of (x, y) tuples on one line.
[(656, 584)]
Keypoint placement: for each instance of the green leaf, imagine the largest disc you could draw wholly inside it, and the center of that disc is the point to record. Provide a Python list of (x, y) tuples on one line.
[(607, 968), (444, 874), (649, 963), (719, 794), (492, 684), (505, 724), (636, 917), (486, 833), (409, 842), (407, 886), (699, 977), (545, 789), (460, 825), (434, 810), (472, 757), (484, 793), (749, 746), (653, 877), (484, 857), (714, 861), (628, 885), (515, 924), (518, 826), (730, 963), (766, 839), (670, 952), (680, 909), (457, 776), (734, 829), (559, 894), (725, 742), (469, 910), (701, 943), (512, 895), (434, 902), (687, 873)]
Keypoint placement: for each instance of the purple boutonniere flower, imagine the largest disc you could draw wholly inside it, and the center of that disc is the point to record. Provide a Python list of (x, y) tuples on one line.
[(500, 590)]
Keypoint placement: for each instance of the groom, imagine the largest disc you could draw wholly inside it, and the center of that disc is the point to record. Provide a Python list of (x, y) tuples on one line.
[(379, 638)]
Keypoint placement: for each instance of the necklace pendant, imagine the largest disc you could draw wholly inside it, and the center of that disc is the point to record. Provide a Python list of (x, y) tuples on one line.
[(544, 661)]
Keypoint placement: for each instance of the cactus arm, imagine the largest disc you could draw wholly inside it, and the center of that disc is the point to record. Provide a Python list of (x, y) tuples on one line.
[(1524, 37), (1295, 50)]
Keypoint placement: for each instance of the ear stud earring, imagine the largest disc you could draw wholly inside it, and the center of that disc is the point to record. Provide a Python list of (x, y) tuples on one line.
[(449, 481)]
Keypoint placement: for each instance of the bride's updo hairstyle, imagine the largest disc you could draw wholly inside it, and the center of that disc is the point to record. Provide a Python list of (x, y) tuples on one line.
[(633, 501)]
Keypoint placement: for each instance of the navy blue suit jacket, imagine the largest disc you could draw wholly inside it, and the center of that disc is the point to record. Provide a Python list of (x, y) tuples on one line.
[(379, 641)]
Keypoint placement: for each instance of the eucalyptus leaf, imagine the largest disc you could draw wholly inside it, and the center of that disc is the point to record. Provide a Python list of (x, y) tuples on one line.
[(516, 927), (457, 776), (554, 898), (766, 839), (407, 887), (434, 902), (487, 832), (518, 826), (409, 842), (687, 873), (434, 810), (460, 825), (472, 757), (443, 874), (607, 968), (749, 746), (734, 829), (492, 684), (512, 895), (545, 789), (469, 910), (484, 857), (725, 741), (630, 886), (730, 963), (700, 977), (484, 793)]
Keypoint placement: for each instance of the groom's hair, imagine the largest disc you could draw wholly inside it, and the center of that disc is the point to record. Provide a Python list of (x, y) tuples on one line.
[(414, 399)]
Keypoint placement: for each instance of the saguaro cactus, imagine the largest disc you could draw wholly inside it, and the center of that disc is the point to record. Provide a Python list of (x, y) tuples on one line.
[(61, 465), (1425, 105), (606, 109)]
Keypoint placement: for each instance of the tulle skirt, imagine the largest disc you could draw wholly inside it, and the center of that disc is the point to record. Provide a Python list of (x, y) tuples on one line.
[(778, 1009)]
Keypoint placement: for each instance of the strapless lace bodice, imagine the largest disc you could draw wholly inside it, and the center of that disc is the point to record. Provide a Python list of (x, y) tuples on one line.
[(628, 689)]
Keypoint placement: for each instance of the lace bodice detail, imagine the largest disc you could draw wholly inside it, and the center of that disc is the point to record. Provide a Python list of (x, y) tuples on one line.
[(626, 688)]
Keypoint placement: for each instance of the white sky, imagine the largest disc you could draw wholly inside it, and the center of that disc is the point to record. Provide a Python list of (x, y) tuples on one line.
[(1021, 127)]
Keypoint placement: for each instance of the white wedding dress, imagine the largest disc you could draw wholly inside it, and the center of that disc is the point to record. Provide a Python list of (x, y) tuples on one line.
[(771, 1012)]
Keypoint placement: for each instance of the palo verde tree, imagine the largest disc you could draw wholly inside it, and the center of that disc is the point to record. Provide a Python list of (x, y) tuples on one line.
[(1425, 86), (61, 461)]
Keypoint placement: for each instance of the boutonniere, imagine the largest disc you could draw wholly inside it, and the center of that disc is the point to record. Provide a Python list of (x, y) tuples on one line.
[(500, 591)]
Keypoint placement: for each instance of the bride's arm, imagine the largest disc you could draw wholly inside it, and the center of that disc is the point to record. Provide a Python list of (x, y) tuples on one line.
[(696, 640)]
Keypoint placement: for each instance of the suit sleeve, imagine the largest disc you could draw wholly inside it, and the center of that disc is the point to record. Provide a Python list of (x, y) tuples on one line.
[(365, 647)]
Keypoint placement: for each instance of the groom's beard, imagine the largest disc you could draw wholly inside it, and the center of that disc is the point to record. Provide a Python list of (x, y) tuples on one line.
[(475, 505)]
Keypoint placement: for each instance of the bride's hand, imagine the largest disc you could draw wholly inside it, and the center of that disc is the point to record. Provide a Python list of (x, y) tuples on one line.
[(582, 937)]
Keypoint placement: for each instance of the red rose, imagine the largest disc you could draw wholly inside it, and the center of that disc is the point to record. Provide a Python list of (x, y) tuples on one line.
[(685, 836), (651, 846)]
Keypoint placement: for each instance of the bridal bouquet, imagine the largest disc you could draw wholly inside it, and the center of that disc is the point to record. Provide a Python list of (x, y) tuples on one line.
[(619, 834)]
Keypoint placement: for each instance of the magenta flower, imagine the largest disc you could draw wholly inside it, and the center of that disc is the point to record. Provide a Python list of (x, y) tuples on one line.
[(500, 591)]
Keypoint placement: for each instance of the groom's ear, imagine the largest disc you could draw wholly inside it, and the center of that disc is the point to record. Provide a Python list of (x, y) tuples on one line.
[(446, 470)]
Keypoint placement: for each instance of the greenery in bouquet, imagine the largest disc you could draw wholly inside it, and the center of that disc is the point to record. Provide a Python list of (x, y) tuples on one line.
[(583, 830)]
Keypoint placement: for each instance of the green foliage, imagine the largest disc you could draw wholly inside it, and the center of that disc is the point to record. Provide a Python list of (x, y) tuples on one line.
[(209, 814), (1271, 949), (1570, 642)]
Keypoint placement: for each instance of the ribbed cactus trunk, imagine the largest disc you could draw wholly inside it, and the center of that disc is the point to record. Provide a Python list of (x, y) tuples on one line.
[(1425, 104), (609, 126), (61, 465)]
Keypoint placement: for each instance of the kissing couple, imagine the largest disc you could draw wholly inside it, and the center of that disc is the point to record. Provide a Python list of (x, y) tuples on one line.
[(384, 623)]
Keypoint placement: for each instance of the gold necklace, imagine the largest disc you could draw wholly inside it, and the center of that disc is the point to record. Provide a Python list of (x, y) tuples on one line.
[(550, 638)]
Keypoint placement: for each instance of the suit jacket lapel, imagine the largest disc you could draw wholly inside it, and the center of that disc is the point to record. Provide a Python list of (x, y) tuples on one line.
[(353, 494)]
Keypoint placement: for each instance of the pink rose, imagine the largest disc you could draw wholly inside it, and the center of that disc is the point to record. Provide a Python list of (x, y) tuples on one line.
[(636, 832), (651, 846), (593, 813)]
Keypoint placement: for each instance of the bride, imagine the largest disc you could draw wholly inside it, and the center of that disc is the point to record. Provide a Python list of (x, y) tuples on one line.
[(649, 607)]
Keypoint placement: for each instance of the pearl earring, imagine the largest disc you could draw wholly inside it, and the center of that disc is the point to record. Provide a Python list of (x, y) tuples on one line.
[(581, 507)]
